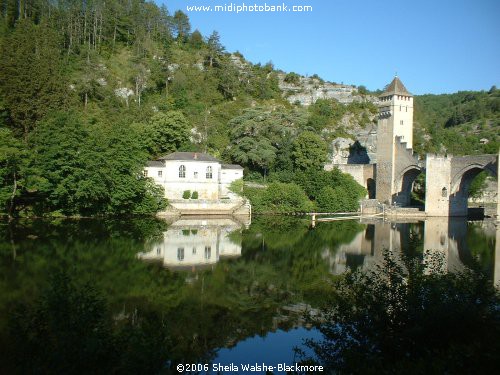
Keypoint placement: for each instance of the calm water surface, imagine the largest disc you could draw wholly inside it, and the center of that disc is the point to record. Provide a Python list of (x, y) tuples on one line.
[(197, 290)]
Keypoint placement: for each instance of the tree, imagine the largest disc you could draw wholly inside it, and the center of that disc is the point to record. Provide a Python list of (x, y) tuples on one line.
[(168, 131), (31, 79), (309, 151), (181, 25), (90, 169), (362, 90), (259, 134), (215, 48), (13, 163), (196, 39)]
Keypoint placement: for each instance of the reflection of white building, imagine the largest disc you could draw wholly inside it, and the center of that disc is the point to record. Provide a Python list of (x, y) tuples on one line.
[(194, 172), (196, 243)]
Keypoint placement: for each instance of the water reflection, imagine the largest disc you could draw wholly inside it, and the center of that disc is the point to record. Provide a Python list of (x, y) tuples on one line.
[(282, 271), (460, 243), (196, 243)]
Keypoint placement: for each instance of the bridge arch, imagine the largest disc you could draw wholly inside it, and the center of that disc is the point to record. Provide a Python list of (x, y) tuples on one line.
[(404, 183), (460, 184), (461, 181)]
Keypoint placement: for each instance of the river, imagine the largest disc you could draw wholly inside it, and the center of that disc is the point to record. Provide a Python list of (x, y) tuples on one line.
[(196, 290)]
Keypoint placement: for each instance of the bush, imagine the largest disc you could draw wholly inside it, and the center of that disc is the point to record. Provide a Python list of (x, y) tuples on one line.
[(194, 195), (332, 200), (292, 78), (236, 186), (313, 181), (285, 198), (186, 194)]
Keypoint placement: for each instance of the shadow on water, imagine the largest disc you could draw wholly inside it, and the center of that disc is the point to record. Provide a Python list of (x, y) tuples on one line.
[(141, 295)]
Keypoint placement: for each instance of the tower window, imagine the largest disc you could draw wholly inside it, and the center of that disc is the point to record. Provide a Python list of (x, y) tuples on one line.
[(444, 192), (182, 171)]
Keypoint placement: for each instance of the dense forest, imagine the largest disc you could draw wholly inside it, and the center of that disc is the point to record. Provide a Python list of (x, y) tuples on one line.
[(467, 122), (90, 91)]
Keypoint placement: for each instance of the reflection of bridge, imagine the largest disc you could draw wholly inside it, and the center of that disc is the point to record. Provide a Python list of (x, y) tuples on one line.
[(445, 236), (194, 243)]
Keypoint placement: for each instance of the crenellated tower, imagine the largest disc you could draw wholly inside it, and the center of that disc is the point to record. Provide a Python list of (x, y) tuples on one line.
[(394, 135)]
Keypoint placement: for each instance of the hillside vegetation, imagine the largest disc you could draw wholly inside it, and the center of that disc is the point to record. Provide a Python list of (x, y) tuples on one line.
[(90, 91), (467, 122)]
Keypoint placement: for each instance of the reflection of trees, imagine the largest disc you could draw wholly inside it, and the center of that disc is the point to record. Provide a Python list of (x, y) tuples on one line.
[(401, 318), (71, 330), (340, 232), (481, 247), (238, 299)]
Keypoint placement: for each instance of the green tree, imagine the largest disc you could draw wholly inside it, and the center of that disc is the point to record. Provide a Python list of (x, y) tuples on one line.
[(31, 78), (91, 169), (259, 135), (215, 49), (13, 163), (167, 132), (181, 25), (309, 151)]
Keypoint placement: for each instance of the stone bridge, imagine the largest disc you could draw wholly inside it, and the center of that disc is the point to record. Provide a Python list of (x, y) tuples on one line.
[(448, 180), (391, 179)]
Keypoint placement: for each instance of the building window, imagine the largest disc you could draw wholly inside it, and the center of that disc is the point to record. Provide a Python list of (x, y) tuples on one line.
[(180, 253), (194, 250), (160, 173), (195, 174), (401, 122), (208, 252), (406, 108), (182, 171), (209, 172), (158, 251), (145, 173), (444, 192)]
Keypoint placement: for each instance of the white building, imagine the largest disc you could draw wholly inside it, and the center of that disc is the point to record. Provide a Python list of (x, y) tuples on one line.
[(194, 172)]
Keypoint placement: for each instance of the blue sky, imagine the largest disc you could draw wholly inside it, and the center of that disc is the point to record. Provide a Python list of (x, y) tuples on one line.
[(438, 46)]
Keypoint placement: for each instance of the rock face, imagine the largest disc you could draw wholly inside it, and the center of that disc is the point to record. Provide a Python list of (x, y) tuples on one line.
[(489, 194), (361, 149), (308, 89)]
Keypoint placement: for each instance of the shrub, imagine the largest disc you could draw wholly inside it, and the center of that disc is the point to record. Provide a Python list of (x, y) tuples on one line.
[(292, 78), (186, 194), (236, 186), (285, 198), (194, 195), (313, 181)]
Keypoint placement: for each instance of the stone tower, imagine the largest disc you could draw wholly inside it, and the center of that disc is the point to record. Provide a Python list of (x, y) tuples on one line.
[(395, 131)]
